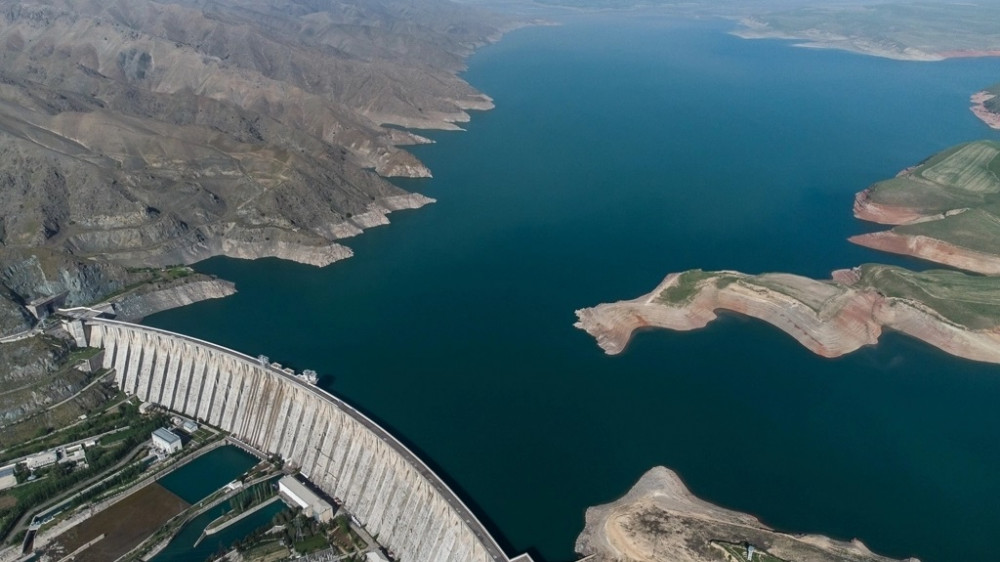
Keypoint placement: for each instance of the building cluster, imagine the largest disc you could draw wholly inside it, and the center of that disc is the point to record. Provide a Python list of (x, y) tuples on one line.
[(70, 454)]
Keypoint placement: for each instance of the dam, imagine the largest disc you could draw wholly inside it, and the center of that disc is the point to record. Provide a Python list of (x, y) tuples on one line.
[(376, 478)]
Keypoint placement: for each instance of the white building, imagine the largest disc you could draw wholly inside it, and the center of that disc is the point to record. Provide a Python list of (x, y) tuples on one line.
[(7, 478), (166, 441), (41, 460), (296, 494), (74, 454), (189, 426)]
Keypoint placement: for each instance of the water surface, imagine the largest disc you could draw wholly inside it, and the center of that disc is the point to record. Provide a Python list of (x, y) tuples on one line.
[(622, 149), (207, 473)]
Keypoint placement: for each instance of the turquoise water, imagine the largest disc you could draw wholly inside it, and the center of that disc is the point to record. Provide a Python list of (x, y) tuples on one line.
[(182, 548), (620, 150), (207, 473)]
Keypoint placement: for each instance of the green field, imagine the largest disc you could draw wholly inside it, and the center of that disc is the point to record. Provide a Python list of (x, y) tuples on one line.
[(972, 301), (957, 190), (963, 176)]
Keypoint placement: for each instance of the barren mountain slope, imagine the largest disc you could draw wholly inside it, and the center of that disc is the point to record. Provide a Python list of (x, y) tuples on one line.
[(147, 133)]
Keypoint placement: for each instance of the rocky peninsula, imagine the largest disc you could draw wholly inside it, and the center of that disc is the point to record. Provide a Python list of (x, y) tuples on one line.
[(659, 520), (946, 210), (957, 313), (986, 106)]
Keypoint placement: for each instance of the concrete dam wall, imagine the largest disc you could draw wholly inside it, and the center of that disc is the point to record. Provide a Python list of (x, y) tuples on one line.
[(385, 486)]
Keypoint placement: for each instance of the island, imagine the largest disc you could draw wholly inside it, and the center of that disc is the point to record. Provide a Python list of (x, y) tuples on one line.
[(945, 210), (659, 520)]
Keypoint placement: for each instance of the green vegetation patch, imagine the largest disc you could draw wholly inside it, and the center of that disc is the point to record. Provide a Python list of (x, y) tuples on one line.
[(968, 300), (975, 229), (966, 175), (59, 479), (684, 287)]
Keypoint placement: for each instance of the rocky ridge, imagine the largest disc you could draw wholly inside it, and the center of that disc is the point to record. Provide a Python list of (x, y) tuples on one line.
[(659, 520)]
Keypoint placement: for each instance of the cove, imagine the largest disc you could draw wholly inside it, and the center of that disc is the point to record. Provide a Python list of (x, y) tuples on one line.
[(621, 149)]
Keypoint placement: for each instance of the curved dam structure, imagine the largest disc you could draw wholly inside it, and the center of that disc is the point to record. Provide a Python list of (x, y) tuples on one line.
[(390, 491)]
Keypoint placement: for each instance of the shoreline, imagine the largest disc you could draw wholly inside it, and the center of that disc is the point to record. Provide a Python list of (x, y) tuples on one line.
[(660, 520), (978, 101), (819, 40), (830, 318)]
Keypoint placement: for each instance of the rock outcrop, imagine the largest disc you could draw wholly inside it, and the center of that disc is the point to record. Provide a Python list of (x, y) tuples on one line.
[(659, 520), (135, 306)]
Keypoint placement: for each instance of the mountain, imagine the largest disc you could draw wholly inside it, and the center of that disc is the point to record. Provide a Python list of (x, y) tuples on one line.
[(145, 133)]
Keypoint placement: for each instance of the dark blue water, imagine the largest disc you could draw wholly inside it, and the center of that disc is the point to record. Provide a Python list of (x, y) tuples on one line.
[(207, 473), (621, 150)]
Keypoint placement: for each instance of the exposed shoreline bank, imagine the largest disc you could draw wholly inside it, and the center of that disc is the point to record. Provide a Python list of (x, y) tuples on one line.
[(660, 520)]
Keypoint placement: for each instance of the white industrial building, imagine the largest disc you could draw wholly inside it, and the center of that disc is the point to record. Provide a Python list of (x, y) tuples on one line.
[(166, 441), (74, 454), (41, 460), (296, 494), (7, 478)]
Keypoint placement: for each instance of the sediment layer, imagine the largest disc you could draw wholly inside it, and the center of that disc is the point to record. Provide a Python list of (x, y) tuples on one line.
[(830, 318), (136, 306), (930, 249), (944, 210)]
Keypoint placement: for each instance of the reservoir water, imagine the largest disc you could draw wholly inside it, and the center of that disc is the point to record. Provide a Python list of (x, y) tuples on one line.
[(622, 149)]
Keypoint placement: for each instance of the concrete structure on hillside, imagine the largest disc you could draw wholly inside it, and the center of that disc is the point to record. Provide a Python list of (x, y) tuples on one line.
[(7, 477), (42, 307), (296, 494), (166, 441), (390, 491)]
